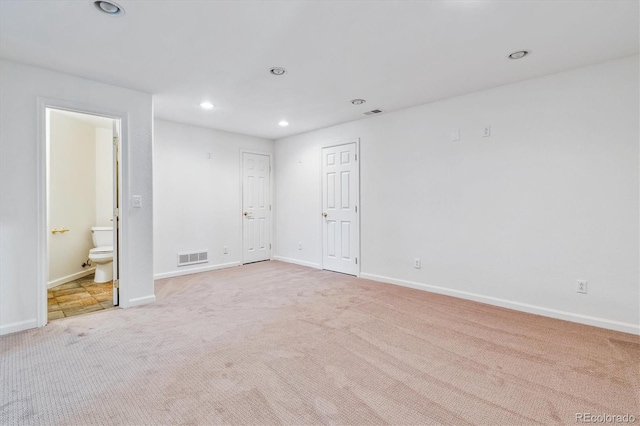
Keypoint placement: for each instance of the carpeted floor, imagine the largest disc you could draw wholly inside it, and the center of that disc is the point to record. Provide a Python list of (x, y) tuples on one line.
[(274, 343)]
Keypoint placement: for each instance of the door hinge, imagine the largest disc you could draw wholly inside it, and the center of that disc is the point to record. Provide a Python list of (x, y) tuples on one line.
[(356, 157), (356, 209), (116, 283), (115, 140), (116, 213), (356, 260), (269, 246), (269, 207)]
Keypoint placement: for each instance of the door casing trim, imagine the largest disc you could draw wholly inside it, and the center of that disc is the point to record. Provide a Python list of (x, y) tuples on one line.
[(42, 250)]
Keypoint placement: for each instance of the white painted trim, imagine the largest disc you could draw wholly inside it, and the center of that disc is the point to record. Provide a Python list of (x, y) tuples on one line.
[(331, 145), (297, 262), (518, 306), (15, 327), (190, 271), (271, 199), (71, 277), (42, 255), (42, 263), (141, 301)]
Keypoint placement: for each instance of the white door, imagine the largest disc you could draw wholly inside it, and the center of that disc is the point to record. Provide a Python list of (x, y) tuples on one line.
[(256, 208), (116, 211), (340, 198)]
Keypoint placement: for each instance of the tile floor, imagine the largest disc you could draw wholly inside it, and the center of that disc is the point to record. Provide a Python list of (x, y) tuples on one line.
[(79, 297)]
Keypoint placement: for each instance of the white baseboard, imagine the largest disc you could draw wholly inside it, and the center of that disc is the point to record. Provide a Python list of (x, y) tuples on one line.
[(198, 270), (18, 326), (141, 301), (297, 262), (71, 277), (518, 306)]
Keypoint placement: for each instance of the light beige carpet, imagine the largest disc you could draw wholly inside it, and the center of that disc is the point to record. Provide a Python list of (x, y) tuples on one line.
[(273, 343)]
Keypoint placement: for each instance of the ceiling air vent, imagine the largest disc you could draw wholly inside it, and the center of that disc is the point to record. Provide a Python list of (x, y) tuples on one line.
[(374, 111)]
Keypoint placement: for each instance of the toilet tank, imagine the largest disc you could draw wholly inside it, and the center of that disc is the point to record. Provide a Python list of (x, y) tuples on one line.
[(102, 236)]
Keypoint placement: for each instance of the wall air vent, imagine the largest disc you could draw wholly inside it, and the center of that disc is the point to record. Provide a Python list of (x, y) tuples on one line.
[(372, 112), (185, 259)]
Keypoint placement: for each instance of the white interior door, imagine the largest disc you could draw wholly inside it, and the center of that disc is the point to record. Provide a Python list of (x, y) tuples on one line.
[(256, 207), (340, 198), (116, 211)]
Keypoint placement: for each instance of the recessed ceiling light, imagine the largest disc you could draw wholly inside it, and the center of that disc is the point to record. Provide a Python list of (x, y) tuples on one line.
[(283, 123), (519, 54), (206, 105), (109, 7), (358, 101), (277, 71)]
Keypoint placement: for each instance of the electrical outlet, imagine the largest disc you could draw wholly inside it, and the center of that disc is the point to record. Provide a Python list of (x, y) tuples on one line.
[(581, 286), (487, 132), (300, 246), (225, 250), (454, 136), (416, 263)]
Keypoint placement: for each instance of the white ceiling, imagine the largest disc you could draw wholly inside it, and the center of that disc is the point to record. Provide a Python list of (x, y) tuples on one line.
[(394, 54)]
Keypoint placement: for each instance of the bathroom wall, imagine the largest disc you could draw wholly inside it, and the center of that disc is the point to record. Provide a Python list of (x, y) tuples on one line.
[(514, 219), (104, 177), (22, 299), (72, 196), (197, 196)]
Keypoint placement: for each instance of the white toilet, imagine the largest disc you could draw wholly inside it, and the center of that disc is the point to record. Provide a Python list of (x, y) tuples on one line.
[(102, 254)]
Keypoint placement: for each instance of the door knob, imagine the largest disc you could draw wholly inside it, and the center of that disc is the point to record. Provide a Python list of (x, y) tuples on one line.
[(325, 214), (246, 213)]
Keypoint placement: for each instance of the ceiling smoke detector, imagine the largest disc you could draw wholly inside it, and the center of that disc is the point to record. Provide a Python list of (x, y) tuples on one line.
[(109, 7), (358, 101), (519, 54), (277, 71)]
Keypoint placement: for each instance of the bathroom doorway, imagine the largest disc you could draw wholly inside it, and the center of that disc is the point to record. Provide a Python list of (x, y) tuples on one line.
[(83, 199)]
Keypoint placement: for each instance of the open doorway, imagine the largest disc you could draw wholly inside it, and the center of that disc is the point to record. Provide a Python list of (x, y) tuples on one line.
[(83, 197)]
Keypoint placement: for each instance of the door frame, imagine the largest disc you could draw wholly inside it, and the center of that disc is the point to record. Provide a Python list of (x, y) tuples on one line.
[(42, 171), (359, 254), (241, 207)]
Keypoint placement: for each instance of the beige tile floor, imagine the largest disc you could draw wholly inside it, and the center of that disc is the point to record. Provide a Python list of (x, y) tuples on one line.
[(79, 297)]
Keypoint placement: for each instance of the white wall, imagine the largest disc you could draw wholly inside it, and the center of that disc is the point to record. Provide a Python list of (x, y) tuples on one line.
[(197, 199), (514, 219), (104, 177), (19, 171), (72, 196)]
